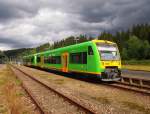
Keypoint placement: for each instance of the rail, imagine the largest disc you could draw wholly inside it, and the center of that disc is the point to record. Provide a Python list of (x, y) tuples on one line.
[(86, 109), (143, 83)]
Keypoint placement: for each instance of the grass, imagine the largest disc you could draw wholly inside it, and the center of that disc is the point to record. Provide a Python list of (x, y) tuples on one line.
[(3, 78), (136, 62), (13, 101), (9, 88), (2, 82), (135, 106), (103, 100), (18, 82), (20, 94), (3, 110), (136, 67), (59, 81), (6, 75), (82, 86)]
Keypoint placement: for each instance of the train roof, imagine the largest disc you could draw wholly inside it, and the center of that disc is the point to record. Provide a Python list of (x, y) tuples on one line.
[(71, 46)]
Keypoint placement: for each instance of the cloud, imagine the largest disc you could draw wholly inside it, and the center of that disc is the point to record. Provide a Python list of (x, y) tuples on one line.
[(29, 24)]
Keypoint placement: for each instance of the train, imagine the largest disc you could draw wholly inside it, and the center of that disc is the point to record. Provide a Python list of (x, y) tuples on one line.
[(100, 58)]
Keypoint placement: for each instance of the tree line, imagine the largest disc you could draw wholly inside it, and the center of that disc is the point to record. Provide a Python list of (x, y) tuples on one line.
[(133, 43)]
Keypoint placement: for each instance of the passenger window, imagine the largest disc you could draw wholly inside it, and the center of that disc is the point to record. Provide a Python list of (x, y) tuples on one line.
[(78, 58), (90, 50), (52, 59), (84, 57)]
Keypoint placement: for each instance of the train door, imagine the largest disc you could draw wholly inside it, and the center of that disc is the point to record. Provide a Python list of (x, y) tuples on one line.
[(65, 62), (42, 61), (90, 66)]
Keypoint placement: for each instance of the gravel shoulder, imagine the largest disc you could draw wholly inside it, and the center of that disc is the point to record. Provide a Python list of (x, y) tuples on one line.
[(105, 99)]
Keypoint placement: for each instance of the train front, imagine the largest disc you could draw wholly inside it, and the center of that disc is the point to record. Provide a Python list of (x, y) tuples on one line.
[(110, 62)]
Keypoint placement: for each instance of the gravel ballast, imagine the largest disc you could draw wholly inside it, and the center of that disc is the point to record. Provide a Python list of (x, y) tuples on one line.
[(48, 100), (104, 99)]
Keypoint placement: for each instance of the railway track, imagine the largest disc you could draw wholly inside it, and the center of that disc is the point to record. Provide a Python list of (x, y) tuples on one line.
[(133, 84), (50, 95)]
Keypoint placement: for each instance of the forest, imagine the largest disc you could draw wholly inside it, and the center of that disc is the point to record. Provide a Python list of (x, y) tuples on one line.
[(133, 43)]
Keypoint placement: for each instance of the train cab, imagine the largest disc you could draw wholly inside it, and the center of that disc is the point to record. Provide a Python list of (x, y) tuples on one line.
[(110, 60)]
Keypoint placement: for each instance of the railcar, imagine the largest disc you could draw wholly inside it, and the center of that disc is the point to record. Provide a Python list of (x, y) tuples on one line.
[(98, 58)]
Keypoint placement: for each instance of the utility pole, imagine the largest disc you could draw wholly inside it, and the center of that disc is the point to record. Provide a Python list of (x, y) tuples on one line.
[(76, 39), (49, 45)]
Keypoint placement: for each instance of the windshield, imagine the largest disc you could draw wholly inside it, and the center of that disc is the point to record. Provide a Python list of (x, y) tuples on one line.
[(108, 51)]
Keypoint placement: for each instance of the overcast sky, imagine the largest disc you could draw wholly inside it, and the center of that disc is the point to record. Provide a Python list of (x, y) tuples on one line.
[(29, 23)]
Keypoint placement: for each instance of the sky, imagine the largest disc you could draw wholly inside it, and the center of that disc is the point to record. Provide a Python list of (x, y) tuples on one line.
[(28, 23)]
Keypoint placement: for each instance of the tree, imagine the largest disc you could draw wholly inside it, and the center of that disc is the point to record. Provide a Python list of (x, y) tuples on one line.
[(124, 54), (144, 50), (134, 46), (105, 36), (133, 43)]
